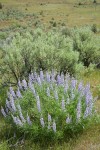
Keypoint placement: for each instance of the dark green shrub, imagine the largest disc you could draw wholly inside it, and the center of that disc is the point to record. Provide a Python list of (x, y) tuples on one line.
[(1, 6), (94, 28)]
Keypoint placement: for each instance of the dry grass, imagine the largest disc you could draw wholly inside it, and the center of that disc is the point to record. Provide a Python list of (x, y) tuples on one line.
[(62, 11)]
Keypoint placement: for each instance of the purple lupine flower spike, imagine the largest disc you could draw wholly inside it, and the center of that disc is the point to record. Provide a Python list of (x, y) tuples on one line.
[(38, 103), (72, 95), (19, 121), (49, 117), (8, 95), (48, 91), (56, 94), (12, 103), (3, 112), (35, 76), (68, 100), (59, 79), (48, 77), (42, 122), (86, 113), (66, 87), (68, 120), (20, 113), (87, 89), (32, 77), (18, 93), (28, 120), (54, 126), (49, 121), (15, 119), (39, 81), (80, 86), (78, 111), (73, 83), (12, 92), (19, 85), (62, 78), (63, 104), (24, 83), (8, 104), (53, 76), (51, 86), (41, 75)]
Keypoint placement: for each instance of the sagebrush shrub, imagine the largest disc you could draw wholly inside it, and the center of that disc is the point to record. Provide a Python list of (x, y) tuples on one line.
[(49, 106), (67, 50)]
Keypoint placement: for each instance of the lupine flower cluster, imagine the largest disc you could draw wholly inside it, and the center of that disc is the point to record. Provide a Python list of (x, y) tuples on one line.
[(51, 95)]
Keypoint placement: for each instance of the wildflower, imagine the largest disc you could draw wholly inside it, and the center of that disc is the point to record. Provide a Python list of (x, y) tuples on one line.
[(38, 104), (80, 86), (86, 113), (53, 76), (59, 80), (68, 100), (8, 104), (12, 103), (39, 81), (20, 113), (65, 87), (24, 83), (68, 119), (56, 94), (12, 92), (41, 75), (48, 77), (31, 86), (17, 121), (63, 104), (88, 98), (72, 95), (28, 120), (48, 91), (54, 126), (35, 76), (31, 78), (51, 86), (42, 122), (49, 117), (19, 85), (3, 112), (79, 111), (49, 121), (73, 83), (62, 78), (18, 93), (87, 89)]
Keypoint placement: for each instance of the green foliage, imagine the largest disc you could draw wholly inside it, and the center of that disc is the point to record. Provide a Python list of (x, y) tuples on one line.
[(0, 6), (51, 110), (4, 146), (94, 28), (64, 50), (87, 44)]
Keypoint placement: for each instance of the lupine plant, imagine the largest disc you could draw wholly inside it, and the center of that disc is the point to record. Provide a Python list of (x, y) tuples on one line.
[(49, 105)]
